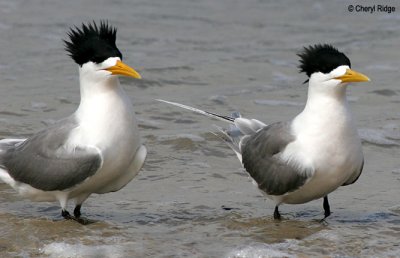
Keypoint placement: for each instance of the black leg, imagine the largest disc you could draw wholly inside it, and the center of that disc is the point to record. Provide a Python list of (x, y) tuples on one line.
[(277, 215), (327, 208), (66, 214), (77, 211)]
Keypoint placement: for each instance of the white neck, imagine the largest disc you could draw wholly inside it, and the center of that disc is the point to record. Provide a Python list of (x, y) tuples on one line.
[(91, 84), (101, 96), (105, 113), (326, 110), (320, 99)]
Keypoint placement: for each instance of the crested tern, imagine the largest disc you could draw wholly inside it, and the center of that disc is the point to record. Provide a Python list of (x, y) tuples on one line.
[(97, 149), (307, 158)]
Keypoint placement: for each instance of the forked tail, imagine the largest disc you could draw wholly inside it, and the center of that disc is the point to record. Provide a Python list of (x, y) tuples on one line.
[(237, 132)]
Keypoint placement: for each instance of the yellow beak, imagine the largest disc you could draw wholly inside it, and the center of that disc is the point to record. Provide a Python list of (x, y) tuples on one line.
[(353, 76), (122, 69)]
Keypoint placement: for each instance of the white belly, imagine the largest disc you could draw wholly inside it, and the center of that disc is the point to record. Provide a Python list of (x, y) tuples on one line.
[(133, 169), (321, 184), (118, 156)]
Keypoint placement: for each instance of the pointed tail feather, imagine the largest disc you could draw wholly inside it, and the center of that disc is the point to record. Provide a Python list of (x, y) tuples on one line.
[(239, 129), (206, 113)]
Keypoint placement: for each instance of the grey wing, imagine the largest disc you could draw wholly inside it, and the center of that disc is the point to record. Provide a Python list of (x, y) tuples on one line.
[(43, 162), (261, 159)]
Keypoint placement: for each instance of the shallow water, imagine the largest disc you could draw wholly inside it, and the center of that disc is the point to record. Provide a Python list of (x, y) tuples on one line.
[(192, 199)]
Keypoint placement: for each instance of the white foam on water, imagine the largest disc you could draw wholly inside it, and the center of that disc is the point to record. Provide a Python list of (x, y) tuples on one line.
[(327, 235), (65, 250), (329, 243), (260, 250)]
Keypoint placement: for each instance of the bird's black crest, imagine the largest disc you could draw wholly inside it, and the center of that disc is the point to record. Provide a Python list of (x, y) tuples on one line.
[(321, 58), (92, 43)]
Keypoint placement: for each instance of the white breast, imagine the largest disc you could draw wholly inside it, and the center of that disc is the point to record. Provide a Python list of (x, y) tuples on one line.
[(107, 122), (326, 141)]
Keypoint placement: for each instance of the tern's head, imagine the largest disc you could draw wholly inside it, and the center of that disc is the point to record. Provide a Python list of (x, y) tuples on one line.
[(93, 48), (327, 68)]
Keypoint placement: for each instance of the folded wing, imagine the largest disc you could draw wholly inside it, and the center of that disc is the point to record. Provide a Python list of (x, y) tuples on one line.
[(262, 159), (46, 163)]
